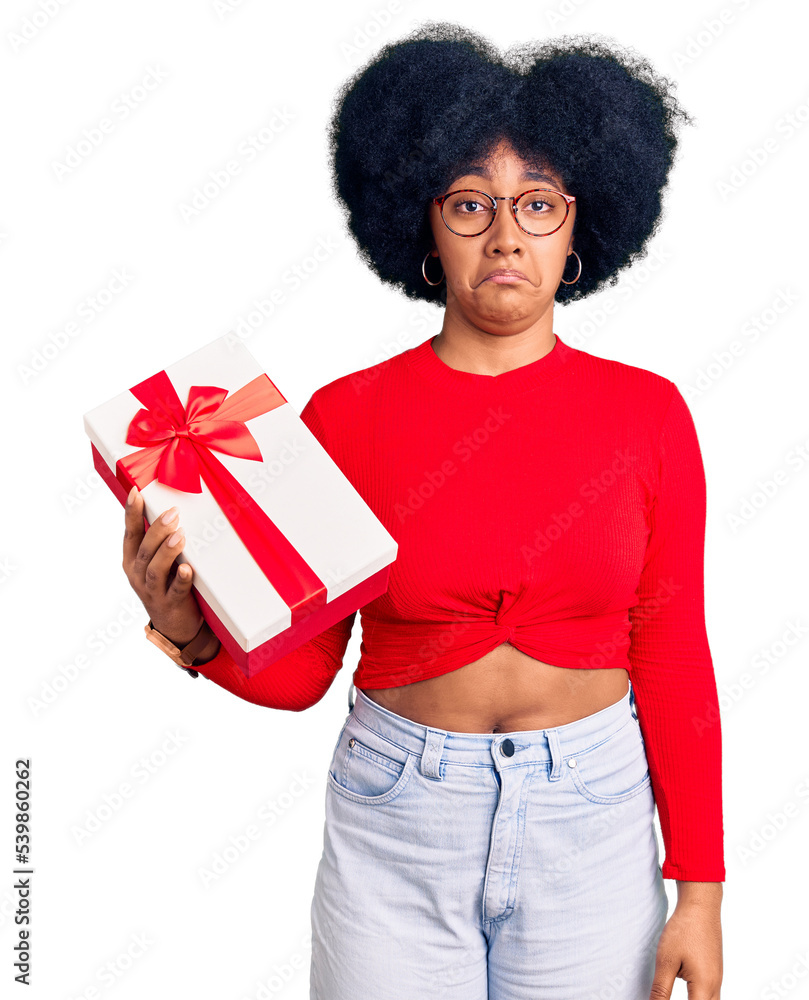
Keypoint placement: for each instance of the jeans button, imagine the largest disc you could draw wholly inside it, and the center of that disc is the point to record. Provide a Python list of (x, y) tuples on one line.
[(507, 748)]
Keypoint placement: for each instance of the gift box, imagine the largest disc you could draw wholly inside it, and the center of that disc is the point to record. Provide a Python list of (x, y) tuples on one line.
[(281, 544)]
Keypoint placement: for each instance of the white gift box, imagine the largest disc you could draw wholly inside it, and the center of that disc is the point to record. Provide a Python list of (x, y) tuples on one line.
[(321, 553)]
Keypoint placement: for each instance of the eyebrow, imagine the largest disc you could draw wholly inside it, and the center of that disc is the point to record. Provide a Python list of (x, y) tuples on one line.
[(481, 171)]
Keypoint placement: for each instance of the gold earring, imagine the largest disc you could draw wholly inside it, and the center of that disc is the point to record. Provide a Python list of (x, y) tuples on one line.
[(424, 273), (573, 282)]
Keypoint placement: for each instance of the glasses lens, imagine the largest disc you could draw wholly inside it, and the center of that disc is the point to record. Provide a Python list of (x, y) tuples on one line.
[(541, 212), (467, 212)]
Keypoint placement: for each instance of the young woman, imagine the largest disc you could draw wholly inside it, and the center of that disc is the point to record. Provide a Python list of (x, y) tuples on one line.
[(537, 677)]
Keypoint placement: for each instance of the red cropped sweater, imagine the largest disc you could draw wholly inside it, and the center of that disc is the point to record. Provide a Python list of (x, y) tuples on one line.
[(560, 507)]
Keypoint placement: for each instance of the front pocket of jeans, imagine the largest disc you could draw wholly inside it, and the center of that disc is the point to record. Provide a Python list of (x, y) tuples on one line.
[(614, 770), (364, 773)]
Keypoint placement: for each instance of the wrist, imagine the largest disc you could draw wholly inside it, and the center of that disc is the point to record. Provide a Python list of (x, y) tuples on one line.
[(186, 654), (210, 650), (182, 637), (705, 894)]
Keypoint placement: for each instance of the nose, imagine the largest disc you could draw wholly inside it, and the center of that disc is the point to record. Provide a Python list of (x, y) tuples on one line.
[(504, 235)]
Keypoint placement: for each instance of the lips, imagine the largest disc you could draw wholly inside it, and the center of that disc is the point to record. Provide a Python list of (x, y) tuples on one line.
[(505, 274)]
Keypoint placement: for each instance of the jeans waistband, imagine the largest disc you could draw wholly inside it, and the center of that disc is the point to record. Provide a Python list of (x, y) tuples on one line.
[(549, 744)]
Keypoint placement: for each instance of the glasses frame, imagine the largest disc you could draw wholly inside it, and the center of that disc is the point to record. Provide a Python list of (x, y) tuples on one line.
[(569, 199)]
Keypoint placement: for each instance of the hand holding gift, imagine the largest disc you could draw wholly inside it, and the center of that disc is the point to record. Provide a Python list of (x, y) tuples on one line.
[(164, 588), (281, 543)]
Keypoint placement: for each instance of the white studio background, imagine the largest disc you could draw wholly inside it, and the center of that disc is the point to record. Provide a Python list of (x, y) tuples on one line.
[(105, 282)]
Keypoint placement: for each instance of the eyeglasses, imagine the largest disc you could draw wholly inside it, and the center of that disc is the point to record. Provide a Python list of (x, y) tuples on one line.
[(539, 212)]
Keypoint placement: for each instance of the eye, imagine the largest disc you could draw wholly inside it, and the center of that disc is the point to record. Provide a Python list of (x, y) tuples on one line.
[(541, 212), (535, 206), (466, 205)]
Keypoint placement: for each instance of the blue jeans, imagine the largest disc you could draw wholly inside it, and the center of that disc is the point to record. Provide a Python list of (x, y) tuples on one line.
[(487, 866)]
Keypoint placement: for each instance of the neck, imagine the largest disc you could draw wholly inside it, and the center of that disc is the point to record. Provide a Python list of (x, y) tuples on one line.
[(496, 348)]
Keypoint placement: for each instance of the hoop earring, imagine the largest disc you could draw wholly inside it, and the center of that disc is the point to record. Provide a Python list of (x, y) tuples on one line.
[(424, 273), (573, 282)]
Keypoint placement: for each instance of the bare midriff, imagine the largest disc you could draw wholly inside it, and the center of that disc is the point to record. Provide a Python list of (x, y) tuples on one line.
[(505, 691)]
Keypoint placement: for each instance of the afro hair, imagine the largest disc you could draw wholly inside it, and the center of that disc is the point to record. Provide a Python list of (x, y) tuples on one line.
[(597, 115)]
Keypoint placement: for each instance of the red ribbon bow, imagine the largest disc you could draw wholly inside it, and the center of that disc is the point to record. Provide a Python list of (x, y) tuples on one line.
[(178, 443), (171, 432)]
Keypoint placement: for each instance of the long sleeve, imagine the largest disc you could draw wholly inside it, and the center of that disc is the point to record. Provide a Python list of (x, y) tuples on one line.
[(301, 678), (671, 667), (296, 681)]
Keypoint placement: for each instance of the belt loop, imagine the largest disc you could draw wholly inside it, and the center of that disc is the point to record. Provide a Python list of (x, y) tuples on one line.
[(556, 754), (350, 698), (431, 755), (632, 707)]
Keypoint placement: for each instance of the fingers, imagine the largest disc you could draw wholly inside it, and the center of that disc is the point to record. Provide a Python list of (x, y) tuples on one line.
[(150, 563), (142, 573), (134, 530), (156, 574), (180, 586), (149, 555)]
